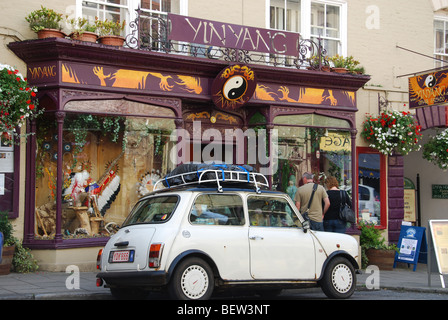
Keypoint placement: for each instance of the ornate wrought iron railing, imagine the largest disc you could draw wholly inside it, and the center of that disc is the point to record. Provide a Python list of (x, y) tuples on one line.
[(149, 31)]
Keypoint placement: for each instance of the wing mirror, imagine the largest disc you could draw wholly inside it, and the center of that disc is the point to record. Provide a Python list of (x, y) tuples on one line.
[(306, 225)]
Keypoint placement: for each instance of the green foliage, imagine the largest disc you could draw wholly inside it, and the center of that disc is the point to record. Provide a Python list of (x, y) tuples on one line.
[(81, 25), (371, 238), (23, 260), (110, 28), (436, 150), (7, 229), (44, 18)]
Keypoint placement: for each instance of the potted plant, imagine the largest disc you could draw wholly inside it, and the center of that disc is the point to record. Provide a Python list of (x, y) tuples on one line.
[(374, 250), (345, 64), (319, 63), (82, 29), (17, 102), (110, 32), (8, 244), (14, 256), (46, 23), (392, 132), (436, 150)]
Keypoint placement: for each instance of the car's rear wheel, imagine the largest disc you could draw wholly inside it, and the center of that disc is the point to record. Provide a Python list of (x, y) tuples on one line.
[(339, 279), (192, 280)]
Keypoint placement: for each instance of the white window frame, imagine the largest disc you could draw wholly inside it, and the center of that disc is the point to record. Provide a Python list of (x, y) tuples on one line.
[(305, 26), (440, 55), (131, 7)]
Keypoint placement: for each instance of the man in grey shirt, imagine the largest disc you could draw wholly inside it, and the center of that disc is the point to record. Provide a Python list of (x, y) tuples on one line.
[(302, 197)]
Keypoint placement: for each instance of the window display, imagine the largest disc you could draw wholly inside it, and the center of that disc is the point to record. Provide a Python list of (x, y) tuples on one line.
[(109, 162), (324, 150)]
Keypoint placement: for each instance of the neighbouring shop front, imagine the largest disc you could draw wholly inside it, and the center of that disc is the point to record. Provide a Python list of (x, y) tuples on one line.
[(119, 118)]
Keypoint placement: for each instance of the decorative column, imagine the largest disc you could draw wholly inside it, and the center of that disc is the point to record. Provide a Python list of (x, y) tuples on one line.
[(30, 195), (60, 116)]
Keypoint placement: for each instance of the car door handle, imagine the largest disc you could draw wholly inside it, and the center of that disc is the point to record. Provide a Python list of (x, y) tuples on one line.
[(256, 238)]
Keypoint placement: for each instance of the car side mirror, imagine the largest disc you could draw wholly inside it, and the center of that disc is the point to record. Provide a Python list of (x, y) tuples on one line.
[(306, 225)]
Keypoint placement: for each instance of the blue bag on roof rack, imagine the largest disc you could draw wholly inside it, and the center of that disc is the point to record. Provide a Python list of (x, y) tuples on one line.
[(216, 173)]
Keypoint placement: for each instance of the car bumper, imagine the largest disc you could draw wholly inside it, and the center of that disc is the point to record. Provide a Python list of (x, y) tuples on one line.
[(134, 279)]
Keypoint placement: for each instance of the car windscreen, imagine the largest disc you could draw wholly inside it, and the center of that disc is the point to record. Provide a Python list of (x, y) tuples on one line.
[(152, 210)]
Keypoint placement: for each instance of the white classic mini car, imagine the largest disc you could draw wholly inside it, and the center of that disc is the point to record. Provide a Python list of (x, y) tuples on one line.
[(223, 231)]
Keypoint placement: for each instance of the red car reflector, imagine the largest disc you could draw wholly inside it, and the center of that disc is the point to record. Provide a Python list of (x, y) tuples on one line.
[(98, 259), (155, 254)]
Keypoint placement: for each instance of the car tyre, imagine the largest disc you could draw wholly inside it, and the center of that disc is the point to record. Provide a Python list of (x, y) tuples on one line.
[(339, 279), (192, 279)]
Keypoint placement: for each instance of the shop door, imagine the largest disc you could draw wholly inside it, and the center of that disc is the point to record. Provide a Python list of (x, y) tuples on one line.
[(278, 248)]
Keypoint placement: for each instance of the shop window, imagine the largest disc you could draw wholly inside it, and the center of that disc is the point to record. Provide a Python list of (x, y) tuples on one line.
[(109, 162), (325, 152), (371, 168)]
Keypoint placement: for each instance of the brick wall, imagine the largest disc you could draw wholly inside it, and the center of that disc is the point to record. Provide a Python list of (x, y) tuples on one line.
[(395, 190)]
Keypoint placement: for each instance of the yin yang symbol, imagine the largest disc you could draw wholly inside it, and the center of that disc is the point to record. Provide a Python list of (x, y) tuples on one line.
[(234, 88), (430, 81)]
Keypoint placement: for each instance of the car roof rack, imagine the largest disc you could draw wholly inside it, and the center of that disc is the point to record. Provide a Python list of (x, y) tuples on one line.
[(218, 176)]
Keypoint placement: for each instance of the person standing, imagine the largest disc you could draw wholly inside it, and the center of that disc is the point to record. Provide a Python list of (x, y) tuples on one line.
[(332, 223), (302, 199)]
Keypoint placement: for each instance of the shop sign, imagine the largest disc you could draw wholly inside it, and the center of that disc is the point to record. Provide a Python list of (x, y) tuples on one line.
[(213, 33), (233, 87), (440, 191), (335, 141), (428, 89)]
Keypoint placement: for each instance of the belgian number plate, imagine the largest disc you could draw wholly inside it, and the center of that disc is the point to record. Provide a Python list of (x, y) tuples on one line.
[(122, 256)]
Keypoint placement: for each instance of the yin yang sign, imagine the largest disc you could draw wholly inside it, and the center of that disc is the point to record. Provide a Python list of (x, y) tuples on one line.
[(233, 87)]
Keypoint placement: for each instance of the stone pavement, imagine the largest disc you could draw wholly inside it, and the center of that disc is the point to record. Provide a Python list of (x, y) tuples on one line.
[(61, 285)]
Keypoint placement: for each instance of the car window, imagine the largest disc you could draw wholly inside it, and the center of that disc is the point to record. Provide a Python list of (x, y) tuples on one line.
[(271, 211), (363, 193), (152, 210), (217, 209)]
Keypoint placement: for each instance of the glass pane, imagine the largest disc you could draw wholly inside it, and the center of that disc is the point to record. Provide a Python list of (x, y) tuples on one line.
[(153, 210), (369, 186), (217, 209), (267, 211), (438, 34), (317, 15), (321, 151), (109, 162), (293, 15), (332, 24), (312, 120)]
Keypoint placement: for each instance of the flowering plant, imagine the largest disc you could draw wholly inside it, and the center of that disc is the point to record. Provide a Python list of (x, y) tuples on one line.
[(392, 131), (436, 150), (16, 101)]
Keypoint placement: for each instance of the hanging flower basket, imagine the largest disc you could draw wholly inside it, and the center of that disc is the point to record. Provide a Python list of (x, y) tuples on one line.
[(436, 150), (392, 132), (16, 101)]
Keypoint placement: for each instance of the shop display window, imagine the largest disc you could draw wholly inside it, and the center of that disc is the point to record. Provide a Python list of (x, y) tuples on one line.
[(109, 162), (324, 149), (371, 192)]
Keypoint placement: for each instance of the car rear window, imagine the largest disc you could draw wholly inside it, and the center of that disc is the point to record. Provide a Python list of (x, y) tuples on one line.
[(152, 210)]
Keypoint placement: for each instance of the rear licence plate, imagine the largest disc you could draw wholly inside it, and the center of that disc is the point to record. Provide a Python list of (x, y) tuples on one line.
[(122, 256)]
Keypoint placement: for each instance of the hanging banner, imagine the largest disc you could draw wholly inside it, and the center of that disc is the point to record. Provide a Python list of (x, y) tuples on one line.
[(428, 89)]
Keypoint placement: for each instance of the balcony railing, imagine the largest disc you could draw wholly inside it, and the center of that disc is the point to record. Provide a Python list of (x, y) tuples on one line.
[(149, 31)]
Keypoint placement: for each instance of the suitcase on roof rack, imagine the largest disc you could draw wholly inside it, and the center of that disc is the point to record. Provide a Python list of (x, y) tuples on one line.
[(191, 172)]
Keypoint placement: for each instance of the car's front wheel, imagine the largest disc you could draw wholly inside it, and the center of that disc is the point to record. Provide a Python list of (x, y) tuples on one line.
[(192, 280), (339, 279)]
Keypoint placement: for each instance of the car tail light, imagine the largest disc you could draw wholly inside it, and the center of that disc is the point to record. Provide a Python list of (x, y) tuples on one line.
[(98, 259), (155, 254)]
